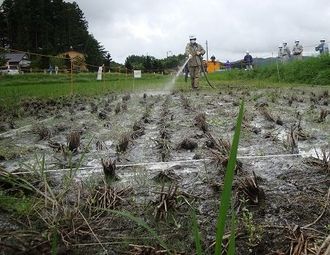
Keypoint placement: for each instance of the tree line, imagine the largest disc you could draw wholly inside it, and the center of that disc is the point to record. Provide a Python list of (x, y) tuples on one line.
[(47, 27), (51, 27), (152, 64)]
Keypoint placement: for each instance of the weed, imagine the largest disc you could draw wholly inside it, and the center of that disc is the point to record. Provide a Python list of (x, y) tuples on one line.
[(21, 206), (254, 231)]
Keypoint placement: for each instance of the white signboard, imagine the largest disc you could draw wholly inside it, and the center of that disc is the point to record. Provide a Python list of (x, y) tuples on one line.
[(137, 73)]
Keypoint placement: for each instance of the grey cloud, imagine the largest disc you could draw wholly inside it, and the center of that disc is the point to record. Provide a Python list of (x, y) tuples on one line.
[(231, 26)]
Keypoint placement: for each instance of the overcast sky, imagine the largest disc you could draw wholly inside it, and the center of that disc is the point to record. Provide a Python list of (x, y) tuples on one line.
[(160, 28)]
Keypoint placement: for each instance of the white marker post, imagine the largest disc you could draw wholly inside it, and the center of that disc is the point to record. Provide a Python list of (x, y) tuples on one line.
[(137, 74)]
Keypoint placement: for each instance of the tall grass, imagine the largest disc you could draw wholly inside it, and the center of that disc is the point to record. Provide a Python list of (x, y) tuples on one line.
[(225, 199), (14, 88), (228, 182), (312, 70)]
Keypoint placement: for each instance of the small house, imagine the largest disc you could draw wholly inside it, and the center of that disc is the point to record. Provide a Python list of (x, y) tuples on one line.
[(18, 60)]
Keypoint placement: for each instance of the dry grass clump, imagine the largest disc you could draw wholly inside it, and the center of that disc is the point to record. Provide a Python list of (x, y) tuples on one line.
[(291, 143), (73, 141), (167, 175), (165, 202), (138, 129), (200, 122), (321, 161), (106, 197), (118, 108), (306, 243), (126, 97), (323, 115), (147, 250), (147, 114), (164, 145), (109, 169), (325, 247), (124, 106), (100, 145), (249, 188), (102, 115), (41, 130), (220, 150), (123, 143), (266, 114), (164, 132), (93, 107), (185, 102)]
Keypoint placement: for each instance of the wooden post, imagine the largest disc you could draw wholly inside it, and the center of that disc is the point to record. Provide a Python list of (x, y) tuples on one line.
[(71, 76), (103, 78)]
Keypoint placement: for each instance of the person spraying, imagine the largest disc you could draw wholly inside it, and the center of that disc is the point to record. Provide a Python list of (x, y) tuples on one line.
[(195, 52)]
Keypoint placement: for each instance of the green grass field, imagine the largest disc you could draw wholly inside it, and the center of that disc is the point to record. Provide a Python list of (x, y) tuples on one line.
[(13, 89)]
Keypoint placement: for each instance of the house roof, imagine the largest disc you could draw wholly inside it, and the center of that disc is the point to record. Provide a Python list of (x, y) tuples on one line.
[(15, 57)]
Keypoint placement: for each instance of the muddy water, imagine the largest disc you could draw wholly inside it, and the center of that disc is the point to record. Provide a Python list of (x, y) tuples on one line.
[(290, 185)]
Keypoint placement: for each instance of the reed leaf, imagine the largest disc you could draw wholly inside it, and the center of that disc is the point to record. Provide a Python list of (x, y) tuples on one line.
[(196, 233), (231, 246), (227, 189)]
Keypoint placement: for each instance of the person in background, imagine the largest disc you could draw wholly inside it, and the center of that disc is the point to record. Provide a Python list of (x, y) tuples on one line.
[(248, 61), (286, 53), (323, 47), (50, 69), (228, 65), (297, 50), (56, 69), (280, 53), (195, 52)]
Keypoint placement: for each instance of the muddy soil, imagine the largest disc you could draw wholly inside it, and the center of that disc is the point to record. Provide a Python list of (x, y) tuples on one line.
[(164, 140)]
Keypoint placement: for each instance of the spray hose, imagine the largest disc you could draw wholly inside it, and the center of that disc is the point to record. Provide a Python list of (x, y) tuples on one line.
[(205, 75), (204, 72)]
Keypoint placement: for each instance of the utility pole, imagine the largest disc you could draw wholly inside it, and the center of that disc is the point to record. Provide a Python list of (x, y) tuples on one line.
[(168, 53), (207, 52)]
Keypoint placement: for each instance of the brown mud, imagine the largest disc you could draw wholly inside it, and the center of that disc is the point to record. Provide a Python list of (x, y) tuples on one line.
[(163, 154)]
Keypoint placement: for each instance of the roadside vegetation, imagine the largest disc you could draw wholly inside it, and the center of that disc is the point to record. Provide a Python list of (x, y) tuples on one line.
[(17, 88), (313, 70)]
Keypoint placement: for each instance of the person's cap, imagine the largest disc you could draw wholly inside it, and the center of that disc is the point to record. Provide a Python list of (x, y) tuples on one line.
[(280, 46), (284, 42), (247, 52), (192, 37), (296, 41)]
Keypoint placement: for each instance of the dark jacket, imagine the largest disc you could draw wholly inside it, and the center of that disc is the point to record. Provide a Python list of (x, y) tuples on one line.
[(248, 59)]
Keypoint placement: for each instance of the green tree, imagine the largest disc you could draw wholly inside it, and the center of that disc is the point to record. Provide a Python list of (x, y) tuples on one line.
[(128, 64), (108, 60), (48, 27)]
